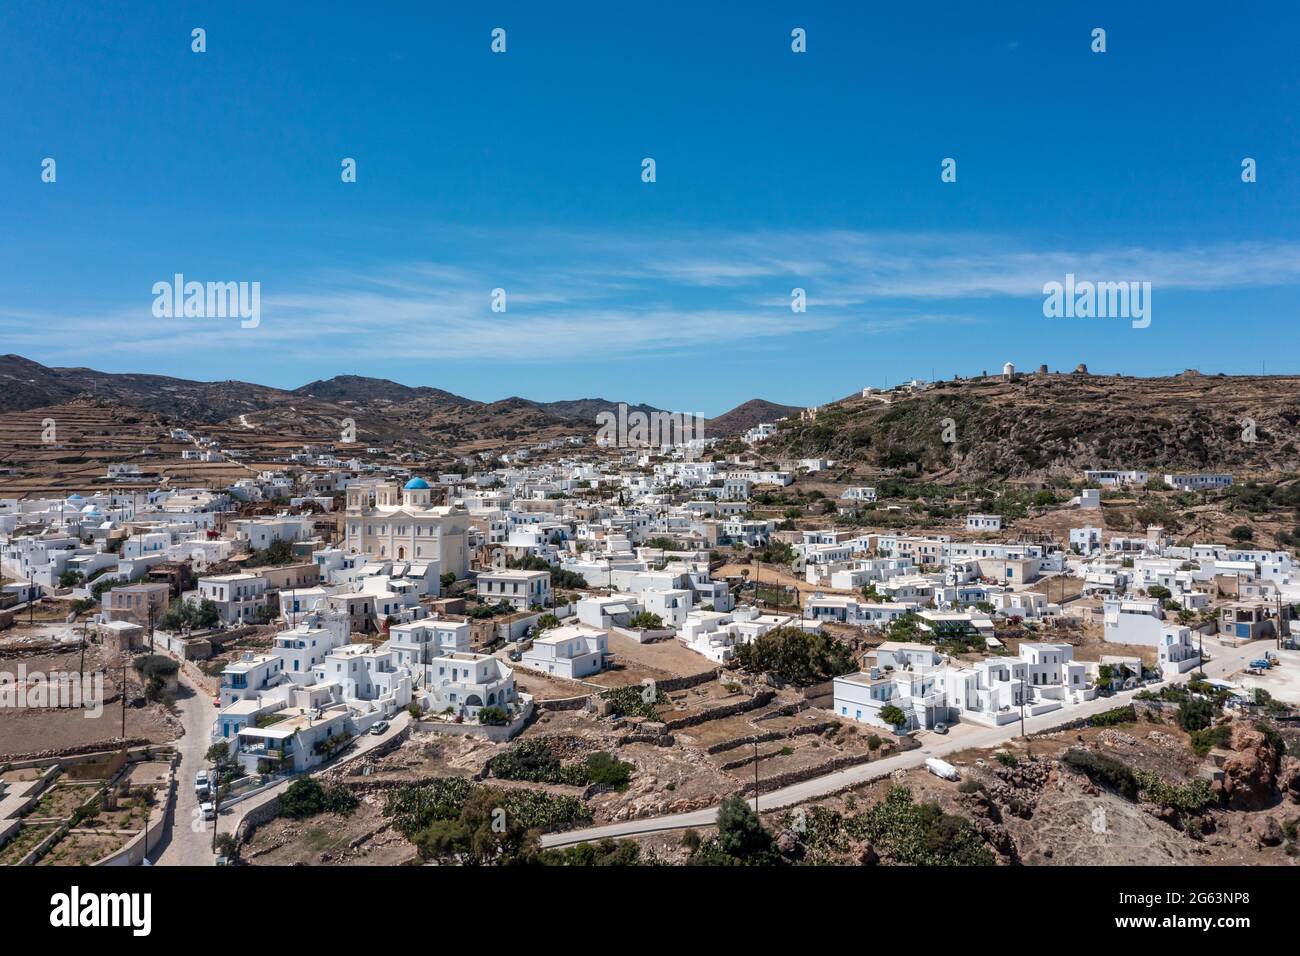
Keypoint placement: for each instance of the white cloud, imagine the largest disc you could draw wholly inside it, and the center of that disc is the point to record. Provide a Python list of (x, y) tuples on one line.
[(601, 295)]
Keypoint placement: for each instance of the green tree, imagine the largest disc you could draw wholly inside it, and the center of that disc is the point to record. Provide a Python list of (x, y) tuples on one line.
[(795, 655), (1195, 713), (893, 716), (742, 839)]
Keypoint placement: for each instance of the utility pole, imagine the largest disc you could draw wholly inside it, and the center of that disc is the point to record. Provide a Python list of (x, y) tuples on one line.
[(1278, 629), (1022, 703), (216, 804)]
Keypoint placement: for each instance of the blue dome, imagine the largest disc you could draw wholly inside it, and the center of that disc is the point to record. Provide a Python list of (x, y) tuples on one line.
[(416, 484)]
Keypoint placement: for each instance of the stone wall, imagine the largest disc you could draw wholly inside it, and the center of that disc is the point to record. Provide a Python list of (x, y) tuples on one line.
[(735, 742), (807, 773), (761, 699)]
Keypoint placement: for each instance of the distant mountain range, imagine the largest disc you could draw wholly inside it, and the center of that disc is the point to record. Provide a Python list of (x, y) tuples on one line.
[(381, 409), (1032, 426)]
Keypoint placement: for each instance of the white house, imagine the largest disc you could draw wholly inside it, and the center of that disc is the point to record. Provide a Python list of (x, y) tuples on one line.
[(1115, 479), (859, 493), (366, 675), (1133, 621), (983, 522), (521, 589), (249, 676), (238, 597), (302, 647), (572, 651), (929, 689), (416, 645), (1197, 482), (297, 742), (1085, 540), (463, 683), (1176, 653)]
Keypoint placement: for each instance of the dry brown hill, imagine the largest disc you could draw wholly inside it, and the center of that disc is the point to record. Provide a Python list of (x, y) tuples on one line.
[(1039, 425)]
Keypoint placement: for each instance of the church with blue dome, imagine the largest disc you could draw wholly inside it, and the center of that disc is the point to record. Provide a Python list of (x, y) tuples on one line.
[(393, 523)]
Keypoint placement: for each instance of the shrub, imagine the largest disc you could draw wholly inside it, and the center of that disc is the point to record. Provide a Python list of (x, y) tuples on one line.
[(1109, 718), (1195, 713), (920, 834), (893, 715), (155, 665), (605, 770), (1007, 760), (605, 853), (1103, 769), (304, 797), (493, 715), (533, 761), (742, 839), (795, 656), (874, 742), (1206, 739), (227, 845), (1188, 798), (633, 701)]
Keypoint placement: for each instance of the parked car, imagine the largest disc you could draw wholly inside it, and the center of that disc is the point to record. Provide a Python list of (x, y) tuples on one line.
[(379, 727), (940, 728), (201, 784), (208, 810)]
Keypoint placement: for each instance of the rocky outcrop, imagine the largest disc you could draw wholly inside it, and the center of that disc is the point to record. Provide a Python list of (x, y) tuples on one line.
[(1250, 775), (1288, 779)]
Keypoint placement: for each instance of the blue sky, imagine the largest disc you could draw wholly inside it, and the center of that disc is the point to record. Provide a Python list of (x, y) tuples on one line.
[(774, 171)]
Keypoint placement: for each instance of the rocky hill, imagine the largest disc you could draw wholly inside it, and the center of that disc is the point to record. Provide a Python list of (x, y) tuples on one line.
[(360, 389), (746, 415), (382, 410), (1043, 424)]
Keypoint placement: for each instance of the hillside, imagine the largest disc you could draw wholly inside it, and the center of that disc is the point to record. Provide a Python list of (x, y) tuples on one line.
[(360, 389), (1040, 425), (586, 409), (252, 415), (745, 416)]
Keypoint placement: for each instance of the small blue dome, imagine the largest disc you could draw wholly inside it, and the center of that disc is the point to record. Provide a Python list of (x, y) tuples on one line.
[(416, 484)]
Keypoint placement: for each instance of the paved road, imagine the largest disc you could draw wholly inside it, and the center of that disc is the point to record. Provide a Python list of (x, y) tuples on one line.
[(962, 737), (182, 844)]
